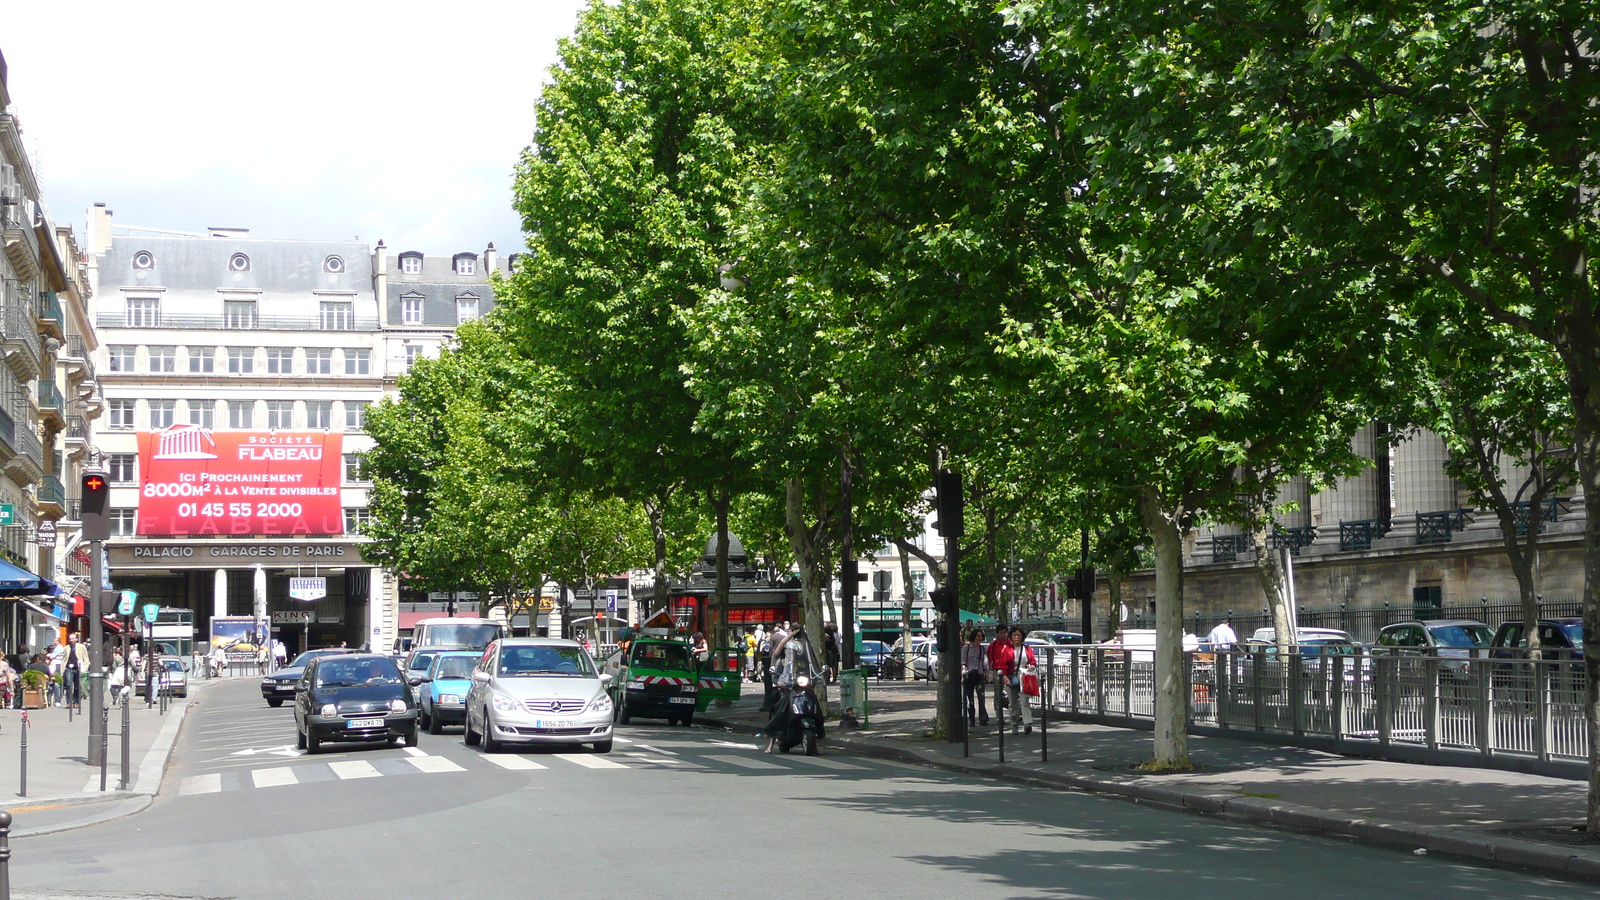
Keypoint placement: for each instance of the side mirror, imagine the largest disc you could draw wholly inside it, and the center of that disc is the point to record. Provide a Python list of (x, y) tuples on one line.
[(416, 681), (425, 680), (299, 687), (480, 676), (605, 677)]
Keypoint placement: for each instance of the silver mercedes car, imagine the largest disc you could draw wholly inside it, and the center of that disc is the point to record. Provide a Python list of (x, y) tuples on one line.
[(538, 691)]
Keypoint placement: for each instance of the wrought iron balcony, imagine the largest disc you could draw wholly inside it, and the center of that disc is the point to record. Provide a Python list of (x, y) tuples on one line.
[(8, 434), (52, 492), (77, 429), (1552, 508), (236, 323), (1359, 534), (50, 398), (22, 245), (1228, 547), (49, 313), (1440, 527), (20, 337), (74, 348), (1293, 538)]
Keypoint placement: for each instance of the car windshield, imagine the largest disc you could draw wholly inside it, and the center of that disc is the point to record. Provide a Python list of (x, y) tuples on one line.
[(419, 663), (475, 636), (351, 672), (1327, 645), (172, 665), (545, 661), (454, 667), (301, 661), (661, 656), (1574, 633), (1461, 635)]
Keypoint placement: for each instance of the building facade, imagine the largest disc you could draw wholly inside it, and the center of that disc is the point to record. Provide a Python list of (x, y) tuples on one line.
[(47, 398)]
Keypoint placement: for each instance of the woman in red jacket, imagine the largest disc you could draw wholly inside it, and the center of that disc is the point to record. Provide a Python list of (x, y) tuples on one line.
[(1011, 660)]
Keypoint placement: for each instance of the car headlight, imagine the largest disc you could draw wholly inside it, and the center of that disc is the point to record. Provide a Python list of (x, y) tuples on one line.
[(268, 682), (506, 704), (329, 710), (803, 681), (397, 705), (601, 704)]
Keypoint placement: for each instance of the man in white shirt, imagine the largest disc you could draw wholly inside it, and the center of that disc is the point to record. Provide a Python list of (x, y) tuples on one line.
[(1222, 636)]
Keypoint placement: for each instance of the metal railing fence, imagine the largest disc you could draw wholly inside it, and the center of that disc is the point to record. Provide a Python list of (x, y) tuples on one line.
[(1503, 711), (1362, 624)]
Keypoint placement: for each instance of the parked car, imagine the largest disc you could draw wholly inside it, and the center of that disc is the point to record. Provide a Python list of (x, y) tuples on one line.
[(924, 660), (872, 656), (1058, 638), (353, 697), (1558, 638), (538, 691), (1140, 644), (279, 686), (441, 692), (1455, 640), (174, 680)]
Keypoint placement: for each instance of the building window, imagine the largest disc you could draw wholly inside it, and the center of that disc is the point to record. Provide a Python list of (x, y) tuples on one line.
[(337, 315), (280, 415), (239, 314), (466, 308), (319, 360), (280, 360), (355, 415), (122, 522), (121, 413), (163, 413), (119, 467), (202, 360), (203, 413), (144, 260), (413, 353), (352, 469), (122, 356), (333, 264), (241, 360), (238, 263), (143, 312), (319, 414), (163, 359), (919, 585), (241, 414), (466, 265), (411, 310), (356, 518), (357, 361), (411, 264)]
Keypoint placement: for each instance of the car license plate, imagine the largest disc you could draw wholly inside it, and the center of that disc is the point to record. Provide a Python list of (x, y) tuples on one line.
[(365, 723), (552, 723), (681, 700)]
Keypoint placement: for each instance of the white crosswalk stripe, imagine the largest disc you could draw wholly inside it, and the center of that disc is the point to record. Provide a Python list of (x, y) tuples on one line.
[(354, 768), (826, 763), (434, 764), (745, 763), (590, 762), (273, 777), (202, 784), (520, 763)]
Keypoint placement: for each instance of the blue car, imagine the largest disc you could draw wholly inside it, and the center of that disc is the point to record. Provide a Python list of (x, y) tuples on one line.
[(872, 655), (442, 690)]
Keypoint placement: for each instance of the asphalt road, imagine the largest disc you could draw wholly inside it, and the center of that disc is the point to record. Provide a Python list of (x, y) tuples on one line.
[(670, 813)]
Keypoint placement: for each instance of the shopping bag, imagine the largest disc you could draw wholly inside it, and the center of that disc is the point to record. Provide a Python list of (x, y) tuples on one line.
[(1030, 685)]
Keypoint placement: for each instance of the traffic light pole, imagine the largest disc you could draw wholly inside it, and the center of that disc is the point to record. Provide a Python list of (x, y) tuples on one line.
[(97, 670), (950, 504), (847, 571)]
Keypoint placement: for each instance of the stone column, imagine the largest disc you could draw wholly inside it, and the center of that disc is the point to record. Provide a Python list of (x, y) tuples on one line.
[(380, 641), (1352, 499), (1420, 482), (219, 594), (1296, 490)]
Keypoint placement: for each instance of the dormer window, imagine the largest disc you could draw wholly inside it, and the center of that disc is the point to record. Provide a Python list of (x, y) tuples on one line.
[(411, 309), (144, 259), (238, 263), (333, 265), (511, 261), (411, 263), (466, 264), (466, 308)]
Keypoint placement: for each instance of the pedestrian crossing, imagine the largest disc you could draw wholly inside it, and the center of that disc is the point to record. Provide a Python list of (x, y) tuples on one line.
[(417, 761)]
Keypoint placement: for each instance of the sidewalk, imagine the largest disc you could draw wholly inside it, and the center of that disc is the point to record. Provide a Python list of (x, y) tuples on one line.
[(63, 790), (1482, 814)]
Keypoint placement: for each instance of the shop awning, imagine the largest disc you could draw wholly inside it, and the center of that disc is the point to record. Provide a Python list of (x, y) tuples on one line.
[(16, 581), (409, 620), (114, 623), (972, 618), (38, 608)]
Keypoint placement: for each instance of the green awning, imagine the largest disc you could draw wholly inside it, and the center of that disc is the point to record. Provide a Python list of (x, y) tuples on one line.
[(972, 618)]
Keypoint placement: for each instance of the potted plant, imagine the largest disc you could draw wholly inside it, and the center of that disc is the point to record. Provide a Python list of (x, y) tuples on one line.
[(33, 683)]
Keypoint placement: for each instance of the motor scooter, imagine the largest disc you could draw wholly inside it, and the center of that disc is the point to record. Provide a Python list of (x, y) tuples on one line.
[(804, 727)]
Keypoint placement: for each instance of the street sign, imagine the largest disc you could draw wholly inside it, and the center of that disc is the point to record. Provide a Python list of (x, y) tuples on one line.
[(150, 610), (308, 588), (881, 580), (125, 603), (294, 617), (7, 513), (45, 534), (611, 602)]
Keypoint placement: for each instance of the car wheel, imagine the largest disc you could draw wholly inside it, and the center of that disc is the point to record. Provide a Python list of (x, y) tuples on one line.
[(622, 713), (411, 736), (435, 726), (422, 716), (299, 739), (313, 744), (471, 736), (603, 746), (686, 719), (490, 743), (274, 702)]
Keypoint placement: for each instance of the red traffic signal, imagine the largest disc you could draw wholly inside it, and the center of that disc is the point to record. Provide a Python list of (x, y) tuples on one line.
[(96, 526), (93, 484)]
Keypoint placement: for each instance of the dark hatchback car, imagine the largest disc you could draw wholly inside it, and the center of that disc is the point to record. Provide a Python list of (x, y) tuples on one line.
[(279, 686), (353, 697)]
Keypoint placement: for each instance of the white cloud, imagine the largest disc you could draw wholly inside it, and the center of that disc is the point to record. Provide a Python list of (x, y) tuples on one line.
[(394, 120)]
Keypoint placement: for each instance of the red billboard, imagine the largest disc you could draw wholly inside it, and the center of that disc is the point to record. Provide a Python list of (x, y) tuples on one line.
[(200, 482)]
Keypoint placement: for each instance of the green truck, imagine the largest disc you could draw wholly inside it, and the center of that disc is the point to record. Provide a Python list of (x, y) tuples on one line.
[(658, 678)]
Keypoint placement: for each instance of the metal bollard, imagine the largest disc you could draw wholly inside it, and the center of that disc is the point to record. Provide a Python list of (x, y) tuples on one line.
[(24, 791), (1044, 707), (1000, 715), (5, 855), (105, 725)]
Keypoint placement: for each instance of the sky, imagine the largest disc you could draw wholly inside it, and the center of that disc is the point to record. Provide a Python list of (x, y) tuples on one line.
[(331, 120)]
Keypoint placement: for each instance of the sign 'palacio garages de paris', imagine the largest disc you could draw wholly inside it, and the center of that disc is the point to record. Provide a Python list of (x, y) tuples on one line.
[(199, 482)]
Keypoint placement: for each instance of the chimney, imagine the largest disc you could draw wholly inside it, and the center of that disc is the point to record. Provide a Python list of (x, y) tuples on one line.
[(488, 260), (380, 262), (99, 229), (380, 275)]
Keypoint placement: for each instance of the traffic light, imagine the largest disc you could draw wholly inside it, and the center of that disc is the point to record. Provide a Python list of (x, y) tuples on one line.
[(95, 494), (949, 504)]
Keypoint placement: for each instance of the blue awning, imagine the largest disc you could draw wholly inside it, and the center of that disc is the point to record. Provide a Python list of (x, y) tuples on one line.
[(16, 581)]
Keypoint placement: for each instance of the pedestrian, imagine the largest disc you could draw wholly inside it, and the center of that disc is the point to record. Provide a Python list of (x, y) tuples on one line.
[(54, 657), (975, 674), (763, 644), (75, 669), (219, 661), (8, 680), (1222, 637), (1015, 662), (280, 654), (749, 656), (830, 652), (118, 681), (134, 657), (263, 656), (702, 651)]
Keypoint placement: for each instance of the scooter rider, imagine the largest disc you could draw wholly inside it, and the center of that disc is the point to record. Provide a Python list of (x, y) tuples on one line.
[(790, 660)]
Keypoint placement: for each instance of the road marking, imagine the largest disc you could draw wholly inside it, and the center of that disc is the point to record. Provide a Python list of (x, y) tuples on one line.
[(747, 763), (590, 762), (434, 764), (657, 749), (273, 777), (664, 761), (513, 762), (354, 768), (825, 762), (201, 784), (622, 740), (416, 751)]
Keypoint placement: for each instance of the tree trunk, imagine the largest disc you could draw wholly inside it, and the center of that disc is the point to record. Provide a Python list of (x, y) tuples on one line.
[(658, 532), (719, 629), (1274, 581), (1171, 726), (809, 558), (905, 611), (1113, 605)]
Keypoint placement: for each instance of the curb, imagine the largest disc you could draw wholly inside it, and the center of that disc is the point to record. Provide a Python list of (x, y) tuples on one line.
[(128, 806), (1496, 849), (35, 803)]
